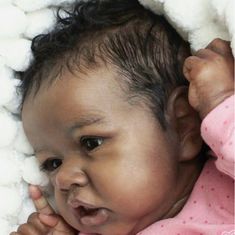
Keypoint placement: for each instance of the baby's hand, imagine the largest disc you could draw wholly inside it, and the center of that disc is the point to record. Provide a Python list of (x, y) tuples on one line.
[(45, 221), (211, 76)]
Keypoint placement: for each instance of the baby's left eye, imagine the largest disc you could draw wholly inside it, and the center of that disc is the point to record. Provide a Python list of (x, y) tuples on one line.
[(51, 164), (90, 142)]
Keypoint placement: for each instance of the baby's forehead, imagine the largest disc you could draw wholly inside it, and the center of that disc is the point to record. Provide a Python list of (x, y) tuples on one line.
[(102, 87)]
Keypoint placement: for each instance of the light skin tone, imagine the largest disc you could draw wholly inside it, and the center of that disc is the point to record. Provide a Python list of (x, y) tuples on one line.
[(117, 157)]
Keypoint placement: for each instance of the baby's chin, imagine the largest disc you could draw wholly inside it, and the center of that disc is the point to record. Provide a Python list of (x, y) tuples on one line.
[(110, 228)]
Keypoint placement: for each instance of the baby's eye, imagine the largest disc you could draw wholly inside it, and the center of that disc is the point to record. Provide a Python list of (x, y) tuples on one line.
[(51, 164), (90, 142)]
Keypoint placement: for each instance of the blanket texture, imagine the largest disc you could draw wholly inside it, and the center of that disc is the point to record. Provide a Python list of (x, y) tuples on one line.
[(197, 21)]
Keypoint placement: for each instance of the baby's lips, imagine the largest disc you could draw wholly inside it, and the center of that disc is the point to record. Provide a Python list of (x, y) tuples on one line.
[(96, 219)]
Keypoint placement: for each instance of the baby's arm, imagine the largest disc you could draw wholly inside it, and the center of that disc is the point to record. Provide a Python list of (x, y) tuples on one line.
[(44, 221), (217, 130), (211, 92)]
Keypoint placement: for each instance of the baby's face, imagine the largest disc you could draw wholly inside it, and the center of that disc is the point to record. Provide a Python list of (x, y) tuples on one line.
[(112, 167)]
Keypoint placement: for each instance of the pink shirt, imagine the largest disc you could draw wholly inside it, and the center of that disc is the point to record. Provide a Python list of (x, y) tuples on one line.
[(210, 207)]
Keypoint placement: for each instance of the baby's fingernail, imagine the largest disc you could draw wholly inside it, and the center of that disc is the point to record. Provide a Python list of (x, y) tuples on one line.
[(40, 203), (34, 192)]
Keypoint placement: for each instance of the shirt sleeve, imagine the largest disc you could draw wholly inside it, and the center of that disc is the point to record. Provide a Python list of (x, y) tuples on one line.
[(217, 130)]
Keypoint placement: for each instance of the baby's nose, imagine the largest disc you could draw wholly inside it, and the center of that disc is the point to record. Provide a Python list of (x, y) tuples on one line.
[(69, 175)]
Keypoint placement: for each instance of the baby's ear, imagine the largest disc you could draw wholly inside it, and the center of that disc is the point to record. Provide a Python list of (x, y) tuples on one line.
[(186, 122)]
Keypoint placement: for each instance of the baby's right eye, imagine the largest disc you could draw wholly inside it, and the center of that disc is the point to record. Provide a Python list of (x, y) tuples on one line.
[(51, 164)]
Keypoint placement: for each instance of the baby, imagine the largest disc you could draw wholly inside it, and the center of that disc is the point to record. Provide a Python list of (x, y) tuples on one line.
[(116, 126)]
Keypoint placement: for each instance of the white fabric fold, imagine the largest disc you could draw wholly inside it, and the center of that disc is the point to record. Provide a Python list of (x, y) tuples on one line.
[(198, 21)]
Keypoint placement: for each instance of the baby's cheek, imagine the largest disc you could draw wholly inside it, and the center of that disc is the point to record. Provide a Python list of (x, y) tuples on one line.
[(61, 203), (146, 195), (52, 181)]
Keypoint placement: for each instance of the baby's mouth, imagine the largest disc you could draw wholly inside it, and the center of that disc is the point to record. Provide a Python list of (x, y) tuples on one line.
[(92, 216), (85, 211)]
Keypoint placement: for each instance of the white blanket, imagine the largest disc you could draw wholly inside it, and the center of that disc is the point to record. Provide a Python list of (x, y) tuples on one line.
[(198, 21)]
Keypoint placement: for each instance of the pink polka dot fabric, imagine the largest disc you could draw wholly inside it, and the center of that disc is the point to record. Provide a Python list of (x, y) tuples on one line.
[(210, 207), (218, 131), (208, 211)]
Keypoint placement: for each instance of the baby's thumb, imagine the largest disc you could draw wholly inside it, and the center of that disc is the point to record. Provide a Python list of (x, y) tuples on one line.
[(49, 220), (57, 223)]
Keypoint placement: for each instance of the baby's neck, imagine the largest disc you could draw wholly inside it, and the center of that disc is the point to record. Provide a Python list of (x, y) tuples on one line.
[(187, 180)]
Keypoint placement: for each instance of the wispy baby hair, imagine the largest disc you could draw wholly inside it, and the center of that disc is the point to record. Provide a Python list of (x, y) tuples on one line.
[(142, 47)]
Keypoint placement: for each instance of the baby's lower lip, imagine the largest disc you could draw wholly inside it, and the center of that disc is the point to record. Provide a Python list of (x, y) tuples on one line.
[(92, 217)]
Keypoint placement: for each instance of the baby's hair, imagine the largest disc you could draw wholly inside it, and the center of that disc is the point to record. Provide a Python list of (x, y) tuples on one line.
[(144, 50)]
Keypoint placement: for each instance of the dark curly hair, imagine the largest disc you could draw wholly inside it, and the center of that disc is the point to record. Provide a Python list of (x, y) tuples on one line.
[(141, 46)]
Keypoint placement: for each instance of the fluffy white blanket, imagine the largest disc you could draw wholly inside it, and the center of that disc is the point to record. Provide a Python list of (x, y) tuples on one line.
[(198, 21)]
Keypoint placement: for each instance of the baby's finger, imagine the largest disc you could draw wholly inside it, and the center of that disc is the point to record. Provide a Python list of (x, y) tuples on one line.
[(190, 65), (35, 220), (28, 229), (207, 54), (49, 220), (220, 46), (59, 225), (40, 202)]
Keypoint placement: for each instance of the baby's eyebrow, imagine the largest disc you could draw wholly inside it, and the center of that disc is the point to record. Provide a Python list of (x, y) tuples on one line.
[(41, 150), (85, 121)]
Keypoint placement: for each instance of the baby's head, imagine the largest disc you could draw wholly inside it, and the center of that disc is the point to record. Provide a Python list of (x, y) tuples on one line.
[(105, 109)]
